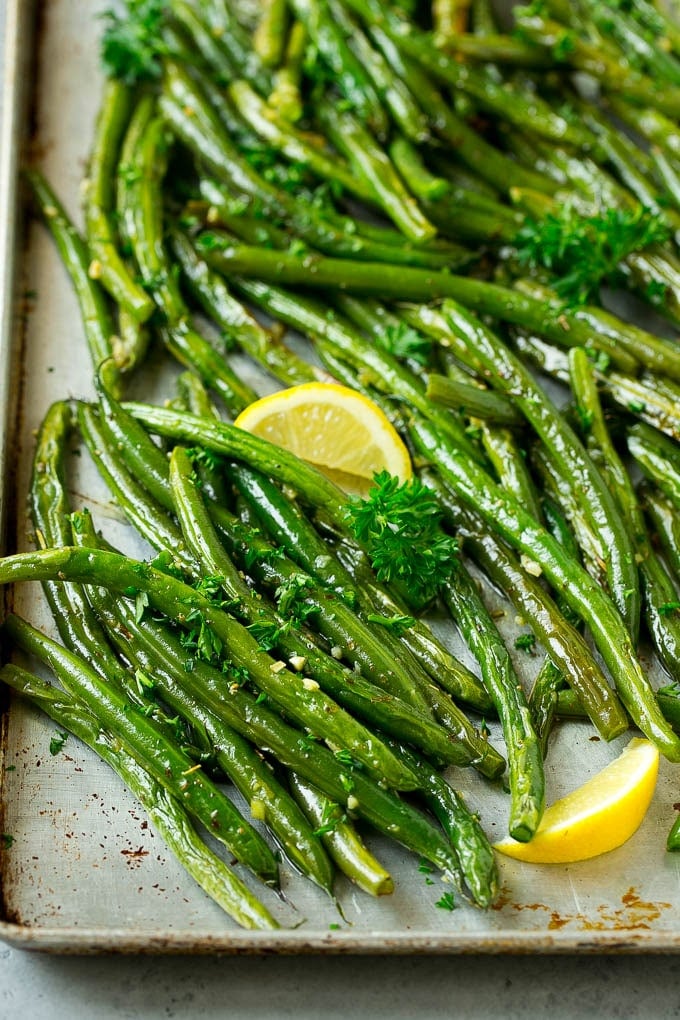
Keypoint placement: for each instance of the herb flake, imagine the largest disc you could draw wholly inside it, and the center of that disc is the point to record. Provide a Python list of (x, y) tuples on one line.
[(57, 742)]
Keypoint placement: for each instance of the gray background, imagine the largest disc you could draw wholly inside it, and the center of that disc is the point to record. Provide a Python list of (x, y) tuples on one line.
[(36, 987)]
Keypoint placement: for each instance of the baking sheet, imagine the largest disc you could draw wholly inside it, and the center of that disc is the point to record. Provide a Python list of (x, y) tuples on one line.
[(84, 872)]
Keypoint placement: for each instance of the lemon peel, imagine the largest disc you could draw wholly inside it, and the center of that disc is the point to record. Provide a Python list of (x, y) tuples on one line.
[(598, 816), (340, 431)]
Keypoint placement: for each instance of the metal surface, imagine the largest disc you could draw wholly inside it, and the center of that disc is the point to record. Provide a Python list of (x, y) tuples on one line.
[(84, 872)]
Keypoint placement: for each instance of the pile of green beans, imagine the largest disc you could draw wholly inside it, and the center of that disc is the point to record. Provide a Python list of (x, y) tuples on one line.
[(366, 174)]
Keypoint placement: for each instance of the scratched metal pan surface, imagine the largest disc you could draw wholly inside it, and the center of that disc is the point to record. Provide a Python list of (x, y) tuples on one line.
[(82, 871)]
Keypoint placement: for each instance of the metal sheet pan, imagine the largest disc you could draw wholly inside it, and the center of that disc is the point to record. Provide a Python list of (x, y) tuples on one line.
[(84, 872)]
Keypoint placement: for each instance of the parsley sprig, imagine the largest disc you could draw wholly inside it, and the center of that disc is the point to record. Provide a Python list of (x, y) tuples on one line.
[(585, 251), (400, 524), (132, 44)]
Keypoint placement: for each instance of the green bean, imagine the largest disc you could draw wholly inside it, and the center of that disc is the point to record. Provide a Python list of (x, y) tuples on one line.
[(512, 104), (509, 462), (471, 401), (209, 472), (268, 800), (289, 528), (220, 22), (410, 165), (341, 839), (350, 75), (263, 345), (130, 345), (285, 96), (525, 763), (362, 646), (462, 827), (161, 532), (112, 121), (304, 701), (140, 202), (381, 658), (659, 459), (379, 806), (658, 588), (329, 232), (294, 144), (554, 630), (569, 706), (167, 764), (527, 316), (505, 372), (658, 129), (653, 399), (590, 549), (669, 176), (197, 38), (482, 158), (352, 691), (664, 518), (165, 811), (270, 35), (393, 91), (373, 166), (510, 520), (77, 625), (594, 60), (549, 319), (97, 322), (550, 679)]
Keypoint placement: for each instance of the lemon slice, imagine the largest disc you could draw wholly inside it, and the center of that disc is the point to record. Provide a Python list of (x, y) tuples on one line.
[(599, 816), (341, 432)]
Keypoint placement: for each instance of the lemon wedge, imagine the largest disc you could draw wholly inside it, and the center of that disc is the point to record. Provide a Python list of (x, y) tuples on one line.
[(599, 816), (340, 431)]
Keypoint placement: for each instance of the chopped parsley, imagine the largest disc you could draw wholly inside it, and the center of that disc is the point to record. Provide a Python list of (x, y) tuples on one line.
[(141, 602), (290, 598), (446, 902), (397, 624), (331, 817), (525, 642), (57, 742)]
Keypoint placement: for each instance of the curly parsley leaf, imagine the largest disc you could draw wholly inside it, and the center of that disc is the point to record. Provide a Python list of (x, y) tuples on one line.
[(132, 44), (404, 342), (400, 525), (585, 251)]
